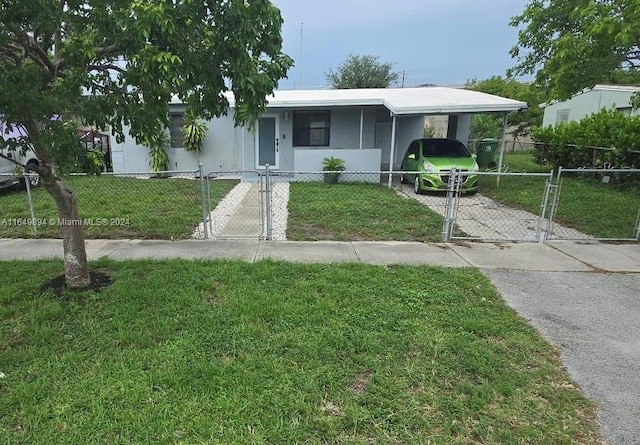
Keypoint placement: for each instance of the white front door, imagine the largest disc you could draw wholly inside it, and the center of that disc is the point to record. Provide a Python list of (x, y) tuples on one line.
[(268, 142)]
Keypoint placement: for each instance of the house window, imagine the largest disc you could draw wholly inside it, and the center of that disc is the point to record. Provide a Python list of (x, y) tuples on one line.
[(562, 116), (625, 110), (176, 125), (311, 128)]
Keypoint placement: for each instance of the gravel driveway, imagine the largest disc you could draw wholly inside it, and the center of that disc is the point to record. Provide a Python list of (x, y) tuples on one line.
[(485, 219)]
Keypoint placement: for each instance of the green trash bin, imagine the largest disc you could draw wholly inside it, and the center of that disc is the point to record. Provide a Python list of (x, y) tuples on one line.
[(486, 150)]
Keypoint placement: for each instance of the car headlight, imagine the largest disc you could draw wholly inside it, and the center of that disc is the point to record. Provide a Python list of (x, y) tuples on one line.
[(476, 167), (428, 167)]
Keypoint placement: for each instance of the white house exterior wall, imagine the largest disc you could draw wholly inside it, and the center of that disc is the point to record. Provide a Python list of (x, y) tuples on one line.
[(587, 103), (227, 148), (219, 151)]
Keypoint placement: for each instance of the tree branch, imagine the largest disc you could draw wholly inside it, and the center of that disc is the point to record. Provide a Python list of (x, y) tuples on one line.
[(33, 51), (106, 67), (106, 51)]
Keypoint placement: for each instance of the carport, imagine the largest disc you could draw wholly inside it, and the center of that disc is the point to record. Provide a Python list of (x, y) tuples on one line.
[(457, 103), (401, 105)]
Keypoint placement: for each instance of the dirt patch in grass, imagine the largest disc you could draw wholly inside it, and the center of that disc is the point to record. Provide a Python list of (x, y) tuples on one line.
[(359, 385), (58, 285)]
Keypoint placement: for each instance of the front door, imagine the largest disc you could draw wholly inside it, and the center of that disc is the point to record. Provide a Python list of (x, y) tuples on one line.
[(268, 143)]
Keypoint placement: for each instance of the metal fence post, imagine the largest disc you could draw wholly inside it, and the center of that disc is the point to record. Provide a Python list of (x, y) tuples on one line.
[(27, 183), (203, 200), (449, 218), (638, 227), (267, 200), (541, 234), (554, 204)]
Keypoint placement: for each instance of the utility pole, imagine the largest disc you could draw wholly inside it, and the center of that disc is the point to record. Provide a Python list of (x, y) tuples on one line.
[(403, 76)]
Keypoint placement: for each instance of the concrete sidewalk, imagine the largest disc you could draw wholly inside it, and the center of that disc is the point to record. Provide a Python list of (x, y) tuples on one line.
[(553, 257)]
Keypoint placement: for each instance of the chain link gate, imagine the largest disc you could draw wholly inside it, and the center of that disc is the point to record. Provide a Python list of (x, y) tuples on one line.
[(234, 205), (480, 218)]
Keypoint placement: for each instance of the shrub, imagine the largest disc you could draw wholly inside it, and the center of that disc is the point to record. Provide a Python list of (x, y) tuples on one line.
[(576, 144)]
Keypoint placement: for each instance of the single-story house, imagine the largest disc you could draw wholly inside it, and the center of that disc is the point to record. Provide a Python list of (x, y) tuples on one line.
[(369, 128), (590, 101)]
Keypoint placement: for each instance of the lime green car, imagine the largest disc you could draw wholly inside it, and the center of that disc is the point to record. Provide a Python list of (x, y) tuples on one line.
[(427, 165)]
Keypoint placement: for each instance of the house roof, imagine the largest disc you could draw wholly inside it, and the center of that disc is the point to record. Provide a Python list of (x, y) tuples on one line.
[(399, 101), (609, 88), (621, 88)]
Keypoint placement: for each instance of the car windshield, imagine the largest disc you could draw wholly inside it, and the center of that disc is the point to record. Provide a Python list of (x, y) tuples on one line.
[(444, 148)]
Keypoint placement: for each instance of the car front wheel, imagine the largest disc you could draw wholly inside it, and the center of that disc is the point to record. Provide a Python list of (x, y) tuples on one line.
[(416, 185)]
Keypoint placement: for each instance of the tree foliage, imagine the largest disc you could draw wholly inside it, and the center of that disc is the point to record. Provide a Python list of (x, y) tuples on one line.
[(520, 123), (362, 71), (111, 63), (486, 126), (578, 144), (574, 44)]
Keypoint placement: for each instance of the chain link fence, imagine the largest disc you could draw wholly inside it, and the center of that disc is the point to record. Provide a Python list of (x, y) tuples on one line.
[(343, 206), (165, 205), (600, 204), (352, 206)]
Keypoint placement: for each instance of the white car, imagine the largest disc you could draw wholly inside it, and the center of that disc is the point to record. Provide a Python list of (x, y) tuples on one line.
[(9, 175)]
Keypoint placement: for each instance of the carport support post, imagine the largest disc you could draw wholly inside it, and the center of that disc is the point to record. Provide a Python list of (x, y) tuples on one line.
[(361, 126), (503, 146), (203, 199), (392, 156)]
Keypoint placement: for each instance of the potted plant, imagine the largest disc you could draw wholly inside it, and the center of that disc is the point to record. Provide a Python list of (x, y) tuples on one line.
[(333, 166)]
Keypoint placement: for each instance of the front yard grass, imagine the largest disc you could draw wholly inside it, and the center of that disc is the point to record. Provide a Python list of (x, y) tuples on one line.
[(358, 212), (274, 353), (117, 207), (586, 204)]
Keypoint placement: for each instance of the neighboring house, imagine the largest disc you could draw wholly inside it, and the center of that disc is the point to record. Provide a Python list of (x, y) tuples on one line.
[(590, 101), (369, 128)]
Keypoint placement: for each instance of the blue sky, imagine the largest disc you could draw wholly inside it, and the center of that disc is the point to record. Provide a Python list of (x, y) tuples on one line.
[(444, 42)]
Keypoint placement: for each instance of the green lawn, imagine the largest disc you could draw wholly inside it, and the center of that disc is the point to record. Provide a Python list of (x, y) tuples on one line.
[(274, 353), (586, 204), (120, 207), (358, 212)]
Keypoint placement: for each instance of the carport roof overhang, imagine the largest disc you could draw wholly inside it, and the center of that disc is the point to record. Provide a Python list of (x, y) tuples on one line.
[(399, 101)]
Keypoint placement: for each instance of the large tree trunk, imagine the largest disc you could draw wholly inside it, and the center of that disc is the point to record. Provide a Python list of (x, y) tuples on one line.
[(76, 271)]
